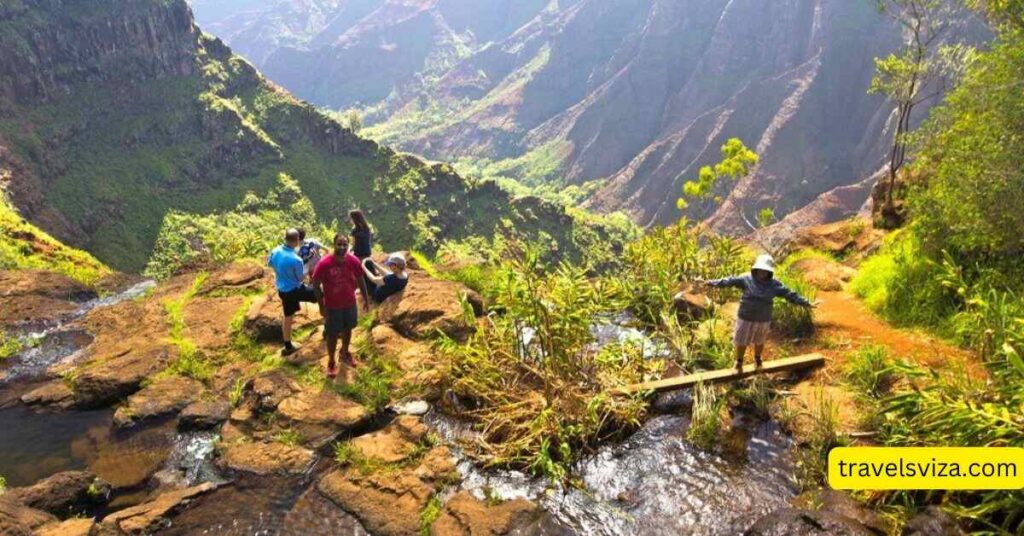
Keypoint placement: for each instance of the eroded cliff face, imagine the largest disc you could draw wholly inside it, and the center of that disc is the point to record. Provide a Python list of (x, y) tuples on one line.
[(115, 113), (639, 93)]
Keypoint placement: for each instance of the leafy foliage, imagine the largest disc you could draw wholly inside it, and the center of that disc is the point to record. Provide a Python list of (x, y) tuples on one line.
[(24, 246), (736, 162)]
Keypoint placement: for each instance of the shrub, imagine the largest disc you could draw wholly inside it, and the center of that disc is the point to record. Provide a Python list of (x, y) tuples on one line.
[(537, 387), (706, 420), (871, 370)]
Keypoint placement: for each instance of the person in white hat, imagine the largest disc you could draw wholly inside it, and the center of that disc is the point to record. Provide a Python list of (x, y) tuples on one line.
[(753, 321), (387, 280)]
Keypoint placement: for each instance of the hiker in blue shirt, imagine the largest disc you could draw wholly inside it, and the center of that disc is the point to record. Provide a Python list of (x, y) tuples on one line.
[(760, 288), (288, 277)]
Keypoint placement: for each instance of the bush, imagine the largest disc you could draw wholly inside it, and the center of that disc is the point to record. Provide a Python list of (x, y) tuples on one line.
[(536, 386)]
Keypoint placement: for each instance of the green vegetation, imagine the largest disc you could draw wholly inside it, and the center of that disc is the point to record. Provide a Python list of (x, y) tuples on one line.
[(24, 246), (706, 420), (430, 514), (9, 346), (822, 436), (190, 361), (736, 162), (3, 484), (955, 270)]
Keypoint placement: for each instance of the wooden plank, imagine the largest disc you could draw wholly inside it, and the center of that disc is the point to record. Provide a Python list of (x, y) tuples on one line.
[(725, 375)]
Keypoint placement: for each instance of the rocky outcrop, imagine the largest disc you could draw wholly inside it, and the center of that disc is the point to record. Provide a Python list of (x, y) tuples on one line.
[(389, 501), (238, 277), (162, 397), (56, 393), (105, 380), (421, 373), (204, 415), (63, 494), (465, 515), (263, 320), (17, 519), (269, 458), (932, 522), (823, 274), (319, 416), (153, 515), (38, 296), (430, 306), (78, 526)]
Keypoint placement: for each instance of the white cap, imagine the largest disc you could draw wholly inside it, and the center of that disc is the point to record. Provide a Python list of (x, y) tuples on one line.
[(396, 259), (764, 262)]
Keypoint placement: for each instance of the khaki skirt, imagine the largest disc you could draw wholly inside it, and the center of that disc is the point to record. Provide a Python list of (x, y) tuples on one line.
[(749, 333)]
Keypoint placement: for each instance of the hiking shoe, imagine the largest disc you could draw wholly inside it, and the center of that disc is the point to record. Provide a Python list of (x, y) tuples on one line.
[(351, 360), (758, 364), (332, 372), (738, 367), (289, 349)]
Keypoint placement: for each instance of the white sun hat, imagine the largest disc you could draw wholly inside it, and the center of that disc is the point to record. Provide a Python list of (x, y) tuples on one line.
[(765, 262)]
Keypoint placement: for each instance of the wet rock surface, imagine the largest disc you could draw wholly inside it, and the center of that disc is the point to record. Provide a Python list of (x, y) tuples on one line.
[(162, 397), (55, 393), (798, 522), (108, 379), (932, 522), (150, 516), (204, 415), (38, 296), (465, 515), (69, 527), (17, 519), (265, 458), (63, 494)]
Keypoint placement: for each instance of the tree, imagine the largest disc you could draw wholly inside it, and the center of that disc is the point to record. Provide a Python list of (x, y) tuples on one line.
[(353, 121), (736, 162), (902, 76)]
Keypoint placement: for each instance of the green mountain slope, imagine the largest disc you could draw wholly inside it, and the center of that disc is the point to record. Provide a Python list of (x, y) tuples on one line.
[(115, 113)]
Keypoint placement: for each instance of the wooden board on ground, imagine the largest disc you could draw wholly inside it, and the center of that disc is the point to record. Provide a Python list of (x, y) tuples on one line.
[(725, 375)]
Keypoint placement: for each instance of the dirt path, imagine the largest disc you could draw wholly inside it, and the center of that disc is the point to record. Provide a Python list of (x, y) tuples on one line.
[(844, 325)]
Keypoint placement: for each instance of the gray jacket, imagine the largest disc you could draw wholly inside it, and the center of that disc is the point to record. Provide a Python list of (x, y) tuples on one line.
[(756, 303)]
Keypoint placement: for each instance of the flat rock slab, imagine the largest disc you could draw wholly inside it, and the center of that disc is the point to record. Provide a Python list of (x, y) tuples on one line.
[(54, 394), (204, 415), (38, 296), (395, 442), (428, 306), (266, 458), (17, 519), (77, 526), (386, 504), (110, 379), (162, 397), (324, 407), (264, 317), (465, 515), (240, 276), (150, 516), (63, 494)]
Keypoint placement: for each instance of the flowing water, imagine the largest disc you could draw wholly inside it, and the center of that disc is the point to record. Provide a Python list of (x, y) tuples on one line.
[(654, 482)]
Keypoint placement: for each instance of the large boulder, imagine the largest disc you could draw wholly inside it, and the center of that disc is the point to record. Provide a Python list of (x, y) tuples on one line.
[(16, 519), (465, 515), (416, 360), (63, 494), (430, 306), (823, 274), (389, 502), (395, 442), (76, 526), (318, 416), (162, 397), (269, 458), (691, 306), (110, 379), (56, 393), (38, 296), (238, 277), (153, 515), (204, 415), (263, 319)]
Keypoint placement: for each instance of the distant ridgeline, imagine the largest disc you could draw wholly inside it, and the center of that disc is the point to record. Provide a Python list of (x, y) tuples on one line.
[(116, 114)]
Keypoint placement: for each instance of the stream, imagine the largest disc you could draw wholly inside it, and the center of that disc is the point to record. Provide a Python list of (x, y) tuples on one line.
[(653, 482)]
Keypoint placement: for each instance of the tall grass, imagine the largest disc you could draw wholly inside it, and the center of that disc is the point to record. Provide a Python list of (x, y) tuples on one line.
[(532, 379)]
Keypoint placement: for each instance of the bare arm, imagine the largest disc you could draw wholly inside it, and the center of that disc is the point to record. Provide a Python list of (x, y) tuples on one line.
[(376, 279), (366, 294)]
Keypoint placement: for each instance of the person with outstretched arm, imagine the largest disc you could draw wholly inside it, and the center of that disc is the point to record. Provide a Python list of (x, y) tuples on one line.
[(753, 321), (335, 280), (387, 280), (288, 278)]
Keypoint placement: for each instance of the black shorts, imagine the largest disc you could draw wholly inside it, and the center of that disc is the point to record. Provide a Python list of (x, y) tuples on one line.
[(291, 301), (339, 320)]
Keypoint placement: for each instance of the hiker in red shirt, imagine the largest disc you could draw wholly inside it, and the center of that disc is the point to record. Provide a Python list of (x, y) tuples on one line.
[(335, 280)]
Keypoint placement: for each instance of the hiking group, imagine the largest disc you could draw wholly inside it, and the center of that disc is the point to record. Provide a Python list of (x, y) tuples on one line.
[(303, 273)]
